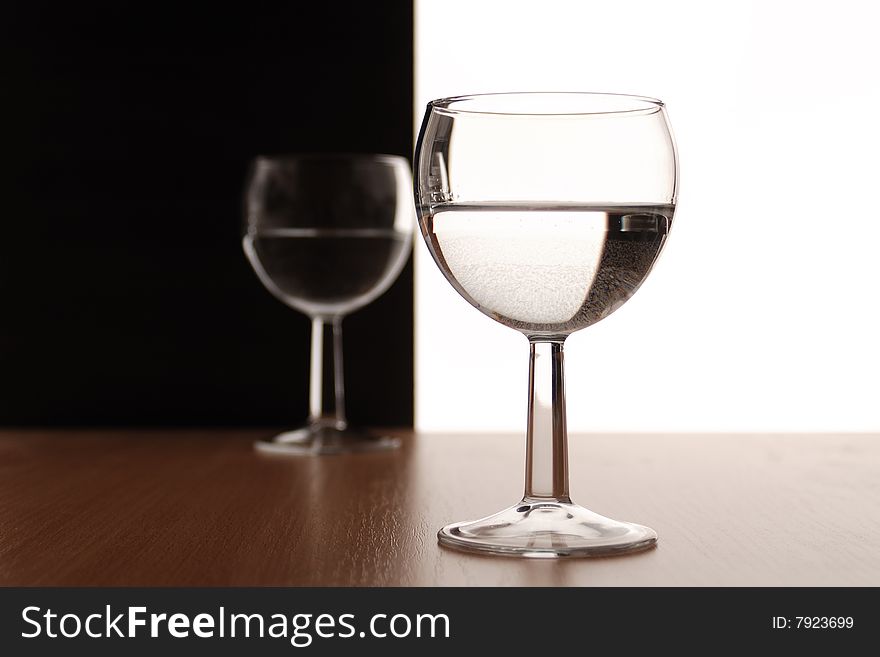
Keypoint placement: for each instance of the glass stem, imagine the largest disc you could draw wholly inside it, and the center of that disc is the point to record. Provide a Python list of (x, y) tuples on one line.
[(546, 437), (338, 375), (316, 374), (319, 412)]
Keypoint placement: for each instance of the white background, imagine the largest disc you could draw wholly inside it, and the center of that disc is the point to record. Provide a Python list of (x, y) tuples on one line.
[(763, 312)]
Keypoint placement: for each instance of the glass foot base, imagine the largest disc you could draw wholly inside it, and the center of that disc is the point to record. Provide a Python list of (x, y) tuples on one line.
[(547, 529), (319, 440)]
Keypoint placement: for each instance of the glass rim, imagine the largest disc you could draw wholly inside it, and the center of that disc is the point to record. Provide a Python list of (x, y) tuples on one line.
[(639, 104), (290, 158)]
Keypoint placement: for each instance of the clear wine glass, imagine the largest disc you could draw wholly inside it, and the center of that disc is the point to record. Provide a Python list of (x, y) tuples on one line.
[(327, 234), (546, 211)]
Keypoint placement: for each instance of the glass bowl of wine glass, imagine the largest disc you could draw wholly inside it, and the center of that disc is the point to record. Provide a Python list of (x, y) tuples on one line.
[(546, 212), (327, 234)]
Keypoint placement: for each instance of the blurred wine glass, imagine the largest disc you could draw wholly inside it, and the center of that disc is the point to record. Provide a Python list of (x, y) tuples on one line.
[(327, 234)]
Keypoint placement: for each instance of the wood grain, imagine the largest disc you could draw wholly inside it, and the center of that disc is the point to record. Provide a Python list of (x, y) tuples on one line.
[(201, 508)]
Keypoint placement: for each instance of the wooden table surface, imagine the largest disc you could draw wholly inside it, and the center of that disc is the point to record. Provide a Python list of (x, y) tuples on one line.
[(201, 508)]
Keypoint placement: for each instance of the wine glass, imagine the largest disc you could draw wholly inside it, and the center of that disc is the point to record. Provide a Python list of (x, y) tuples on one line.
[(327, 234), (546, 211)]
